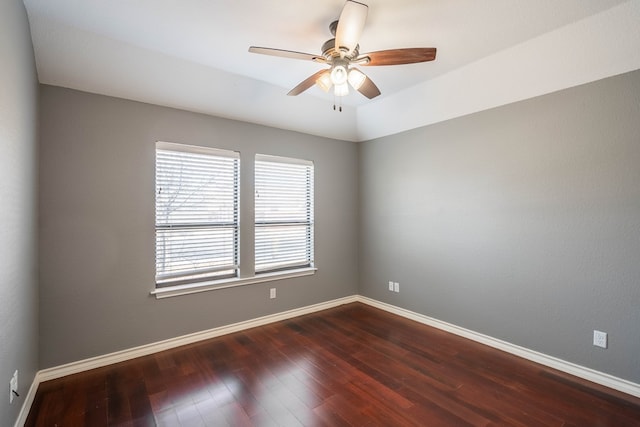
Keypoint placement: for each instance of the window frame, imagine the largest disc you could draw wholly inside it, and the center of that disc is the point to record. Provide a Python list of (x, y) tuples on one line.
[(194, 224), (288, 205)]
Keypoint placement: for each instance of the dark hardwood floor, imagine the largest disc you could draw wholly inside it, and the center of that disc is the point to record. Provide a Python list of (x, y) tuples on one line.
[(349, 366)]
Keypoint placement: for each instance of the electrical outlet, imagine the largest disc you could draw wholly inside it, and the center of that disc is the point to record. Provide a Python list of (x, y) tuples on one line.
[(391, 286), (396, 287), (272, 293), (600, 339), (13, 387)]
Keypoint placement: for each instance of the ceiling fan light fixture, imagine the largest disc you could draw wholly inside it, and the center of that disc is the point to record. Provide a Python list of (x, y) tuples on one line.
[(324, 82), (342, 89), (356, 78), (339, 75)]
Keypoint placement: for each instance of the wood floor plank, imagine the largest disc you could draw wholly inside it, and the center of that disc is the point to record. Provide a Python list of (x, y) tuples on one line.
[(353, 365)]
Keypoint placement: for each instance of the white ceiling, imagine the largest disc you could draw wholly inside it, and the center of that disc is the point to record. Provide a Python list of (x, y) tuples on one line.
[(192, 54)]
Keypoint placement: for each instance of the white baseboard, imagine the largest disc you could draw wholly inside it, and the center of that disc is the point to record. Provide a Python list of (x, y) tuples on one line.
[(588, 374), (597, 377), (144, 350), (28, 401)]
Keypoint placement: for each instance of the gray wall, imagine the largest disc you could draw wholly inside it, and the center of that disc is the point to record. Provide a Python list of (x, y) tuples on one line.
[(521, 222), (97, 224), (18, 178)]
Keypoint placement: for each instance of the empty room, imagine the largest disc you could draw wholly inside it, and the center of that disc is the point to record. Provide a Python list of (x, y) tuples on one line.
[(330, 213)]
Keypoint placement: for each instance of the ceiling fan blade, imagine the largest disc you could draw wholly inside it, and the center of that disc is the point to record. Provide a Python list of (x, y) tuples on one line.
[(399, 56), (286, 53), (306, 84), (369, 89), (350, 25)]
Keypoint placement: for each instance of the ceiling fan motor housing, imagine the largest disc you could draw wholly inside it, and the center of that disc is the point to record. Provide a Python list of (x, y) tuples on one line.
[(330, 52)]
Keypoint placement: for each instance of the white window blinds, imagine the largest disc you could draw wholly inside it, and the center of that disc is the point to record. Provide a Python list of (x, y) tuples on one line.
[(196, 213), (283, 213)]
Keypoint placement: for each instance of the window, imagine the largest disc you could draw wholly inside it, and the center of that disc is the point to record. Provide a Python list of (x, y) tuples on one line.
[(283, 214), (196, 214), (198, 227)]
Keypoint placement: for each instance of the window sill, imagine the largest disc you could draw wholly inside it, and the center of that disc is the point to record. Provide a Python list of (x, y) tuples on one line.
[(192, 288)]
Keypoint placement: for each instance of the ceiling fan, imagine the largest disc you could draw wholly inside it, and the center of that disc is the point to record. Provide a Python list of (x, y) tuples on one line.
[(341, 54)]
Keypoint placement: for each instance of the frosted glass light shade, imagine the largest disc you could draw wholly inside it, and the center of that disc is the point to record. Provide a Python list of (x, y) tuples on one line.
[(342, 89), (356, 78), (339, 75), (324, 81)]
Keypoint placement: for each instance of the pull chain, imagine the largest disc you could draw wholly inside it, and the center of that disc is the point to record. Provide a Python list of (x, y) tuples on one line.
[(339, 104)]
